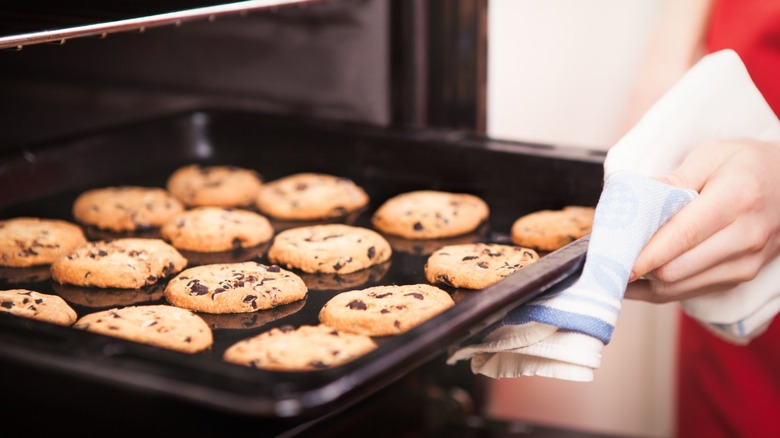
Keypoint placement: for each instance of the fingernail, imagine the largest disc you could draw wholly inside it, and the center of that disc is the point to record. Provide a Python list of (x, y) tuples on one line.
[(632, 277)]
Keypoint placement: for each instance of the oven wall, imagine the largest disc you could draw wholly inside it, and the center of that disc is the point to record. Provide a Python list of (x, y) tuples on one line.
[(326, 60)]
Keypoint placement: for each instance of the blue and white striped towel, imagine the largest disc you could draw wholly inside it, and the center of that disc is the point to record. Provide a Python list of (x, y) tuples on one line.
[(562, 333)]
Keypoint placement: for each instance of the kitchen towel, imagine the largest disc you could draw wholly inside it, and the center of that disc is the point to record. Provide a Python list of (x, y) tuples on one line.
[(562, 333)]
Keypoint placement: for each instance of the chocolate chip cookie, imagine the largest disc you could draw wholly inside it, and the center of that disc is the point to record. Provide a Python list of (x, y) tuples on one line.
[(159, 325), (429, 214), (307, 196), (126, 208), (476, 265), (28, 241), (548, 230), (218, 186), (213, 229), (384, 310), (35, 305), (234, 288), (305, 348), (129, 263), (333, 248)]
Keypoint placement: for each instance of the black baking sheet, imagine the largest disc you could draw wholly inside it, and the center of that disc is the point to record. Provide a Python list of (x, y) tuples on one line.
[(513, 178)]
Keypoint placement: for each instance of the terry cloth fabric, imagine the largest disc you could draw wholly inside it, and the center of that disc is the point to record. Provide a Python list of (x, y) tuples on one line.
[(562, 333)]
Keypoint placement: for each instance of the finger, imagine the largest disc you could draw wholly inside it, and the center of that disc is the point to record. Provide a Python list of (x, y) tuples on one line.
[(725, 244), (719, 278), (694, 223)]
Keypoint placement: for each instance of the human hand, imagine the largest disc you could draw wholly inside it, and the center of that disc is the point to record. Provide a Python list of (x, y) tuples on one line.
[(725, 235)]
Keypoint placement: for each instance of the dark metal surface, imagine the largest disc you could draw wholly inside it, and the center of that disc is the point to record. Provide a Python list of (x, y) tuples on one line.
[(513, 178), (439, 63), (34, 22)]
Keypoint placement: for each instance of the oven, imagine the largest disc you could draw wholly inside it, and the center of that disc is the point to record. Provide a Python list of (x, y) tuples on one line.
[(388, 94)]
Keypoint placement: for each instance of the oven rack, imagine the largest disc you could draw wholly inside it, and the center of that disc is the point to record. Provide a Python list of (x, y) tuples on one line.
[(34, 22)]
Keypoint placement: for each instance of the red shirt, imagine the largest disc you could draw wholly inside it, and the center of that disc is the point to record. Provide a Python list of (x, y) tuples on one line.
[(725, 390)]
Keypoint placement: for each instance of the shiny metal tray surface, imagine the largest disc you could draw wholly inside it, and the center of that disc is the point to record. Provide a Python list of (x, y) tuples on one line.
[(513, 178), (34, 22)]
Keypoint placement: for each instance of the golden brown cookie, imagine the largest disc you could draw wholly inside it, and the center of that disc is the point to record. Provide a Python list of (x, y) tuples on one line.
[(548, 230), (306, 348), (234, 288), (160, 325), (331, 248), (476, 265), (35, 305), (429, 214), (213, 229), (129, 263), (384, 310), (218, 186), (28, 241), (306, 196), (126, 208)]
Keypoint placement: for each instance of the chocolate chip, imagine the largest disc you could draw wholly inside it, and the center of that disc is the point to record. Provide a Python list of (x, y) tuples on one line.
[(198, 289), (386, 294), (443, 278), (274, 268), (357, 305), (236, 242), (371, 252), (251, 300), (418, 226), (482, 265), (415, 295), (383, 311), (316, 364), (7, 304), (168, 270), (469, 258)]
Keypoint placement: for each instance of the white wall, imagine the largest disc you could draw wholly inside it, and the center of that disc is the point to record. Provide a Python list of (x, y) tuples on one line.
[(559, 72)]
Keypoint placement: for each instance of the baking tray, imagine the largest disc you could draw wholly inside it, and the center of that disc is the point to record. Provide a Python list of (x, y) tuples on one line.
[(513, 178)]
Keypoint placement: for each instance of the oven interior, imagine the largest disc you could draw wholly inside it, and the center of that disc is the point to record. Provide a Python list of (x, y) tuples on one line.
[(325, 87)]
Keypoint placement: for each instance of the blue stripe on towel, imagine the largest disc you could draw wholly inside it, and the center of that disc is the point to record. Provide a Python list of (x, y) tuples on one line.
[(589, 325)]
